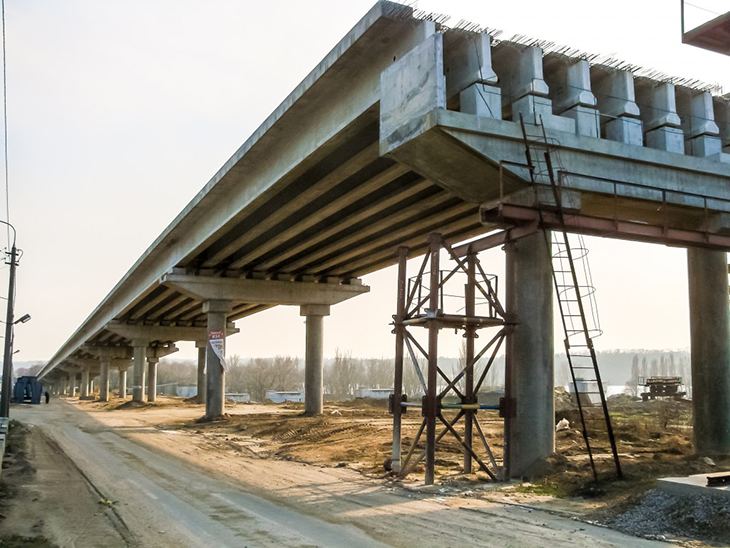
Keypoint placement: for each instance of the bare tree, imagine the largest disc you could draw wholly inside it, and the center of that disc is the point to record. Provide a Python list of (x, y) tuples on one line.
[(184, 372), (236, 375), (379, 373), (632, 385), (343, 375)]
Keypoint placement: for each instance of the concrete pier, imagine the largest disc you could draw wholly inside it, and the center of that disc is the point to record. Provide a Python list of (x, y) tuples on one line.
[(123, 381), (152, 379), (104, 379), (215, 402), (314, 357), (530, 425), (201, 370), (140, 358), (84, 384), (710, 350)]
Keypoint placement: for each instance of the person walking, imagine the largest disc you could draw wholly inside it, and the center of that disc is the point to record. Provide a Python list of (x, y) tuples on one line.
[(47, 395)]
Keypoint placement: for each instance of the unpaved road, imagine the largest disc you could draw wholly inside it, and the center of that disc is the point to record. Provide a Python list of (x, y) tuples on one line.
[(174, 488)]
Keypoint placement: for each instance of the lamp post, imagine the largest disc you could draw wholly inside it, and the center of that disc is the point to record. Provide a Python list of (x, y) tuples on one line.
[(8, 355)]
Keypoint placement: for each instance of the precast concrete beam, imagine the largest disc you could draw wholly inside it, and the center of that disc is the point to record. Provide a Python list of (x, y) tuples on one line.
[(215, 401), (616, 96), (469, 72), (702, 133), (570, 86), (662, 124), (314, 358), (722, 118), (270, 292), (530, 417), (525, 92)]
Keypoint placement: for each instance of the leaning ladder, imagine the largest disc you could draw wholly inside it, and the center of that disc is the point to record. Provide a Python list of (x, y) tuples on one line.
[(579, 350)]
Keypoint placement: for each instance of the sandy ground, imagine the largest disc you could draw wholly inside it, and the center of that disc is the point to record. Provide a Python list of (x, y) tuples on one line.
[(175, 483)]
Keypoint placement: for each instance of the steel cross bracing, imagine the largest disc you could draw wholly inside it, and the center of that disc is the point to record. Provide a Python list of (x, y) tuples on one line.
[(426, 300), (575, 293)]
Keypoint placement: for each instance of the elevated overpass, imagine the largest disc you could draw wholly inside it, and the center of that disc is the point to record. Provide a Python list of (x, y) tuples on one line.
[(409, 127)]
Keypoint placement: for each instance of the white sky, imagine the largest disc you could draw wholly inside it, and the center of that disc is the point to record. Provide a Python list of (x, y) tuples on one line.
[(120, 111)]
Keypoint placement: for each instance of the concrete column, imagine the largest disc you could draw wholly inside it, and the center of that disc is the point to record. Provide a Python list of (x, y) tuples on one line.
[(710, 344), (530, 422), (140, 358), (84, 384), (201, 370), (215, 401), (152, 378), (314, 357), (123, 382), (104, 379)]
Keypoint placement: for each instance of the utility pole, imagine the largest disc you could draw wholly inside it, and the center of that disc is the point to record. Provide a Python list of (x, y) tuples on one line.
[(8, 357)]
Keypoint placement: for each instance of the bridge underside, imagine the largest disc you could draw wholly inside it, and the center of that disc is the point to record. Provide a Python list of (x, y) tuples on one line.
[(408, 128)]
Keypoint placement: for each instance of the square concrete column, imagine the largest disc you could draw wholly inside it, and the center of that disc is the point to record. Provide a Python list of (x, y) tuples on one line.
[(201, 370), (140, 359), (104, 378), (152, 379), (314, 357), (710, 350), (530, 421), (84, 384), (123, 381), (215, 401)]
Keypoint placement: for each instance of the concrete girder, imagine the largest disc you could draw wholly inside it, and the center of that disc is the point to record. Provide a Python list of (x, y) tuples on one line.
[(277, 292), (359, 161), (334, 206), (457, 224), (362, 221), (174, 302), (163, 332)]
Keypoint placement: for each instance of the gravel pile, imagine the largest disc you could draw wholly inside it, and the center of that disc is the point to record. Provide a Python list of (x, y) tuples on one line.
[(701, 517)]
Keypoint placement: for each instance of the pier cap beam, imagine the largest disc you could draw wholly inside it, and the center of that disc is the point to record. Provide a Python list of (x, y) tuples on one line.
[(163, 332), (271, 292)]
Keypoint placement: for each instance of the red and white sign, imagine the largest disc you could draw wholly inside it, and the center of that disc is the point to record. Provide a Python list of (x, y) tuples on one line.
[(218, 343)]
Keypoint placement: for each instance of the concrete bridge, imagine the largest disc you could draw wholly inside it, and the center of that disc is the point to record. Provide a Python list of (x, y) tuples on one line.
[(408, 127)]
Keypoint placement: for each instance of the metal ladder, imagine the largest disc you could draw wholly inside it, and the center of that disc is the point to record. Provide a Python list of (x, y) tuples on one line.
[(572, 296)]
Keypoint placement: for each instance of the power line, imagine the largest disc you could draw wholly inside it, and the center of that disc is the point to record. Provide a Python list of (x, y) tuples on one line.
[(5, 123)]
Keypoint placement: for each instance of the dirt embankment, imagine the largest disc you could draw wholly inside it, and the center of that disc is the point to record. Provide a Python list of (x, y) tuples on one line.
[(35, 502), (654, 440)]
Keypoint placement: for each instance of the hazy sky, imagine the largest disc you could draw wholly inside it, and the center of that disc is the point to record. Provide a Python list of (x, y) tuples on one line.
[(120, 111)]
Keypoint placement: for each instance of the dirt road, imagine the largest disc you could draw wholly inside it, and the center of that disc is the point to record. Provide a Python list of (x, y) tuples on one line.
[(172, 487)]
